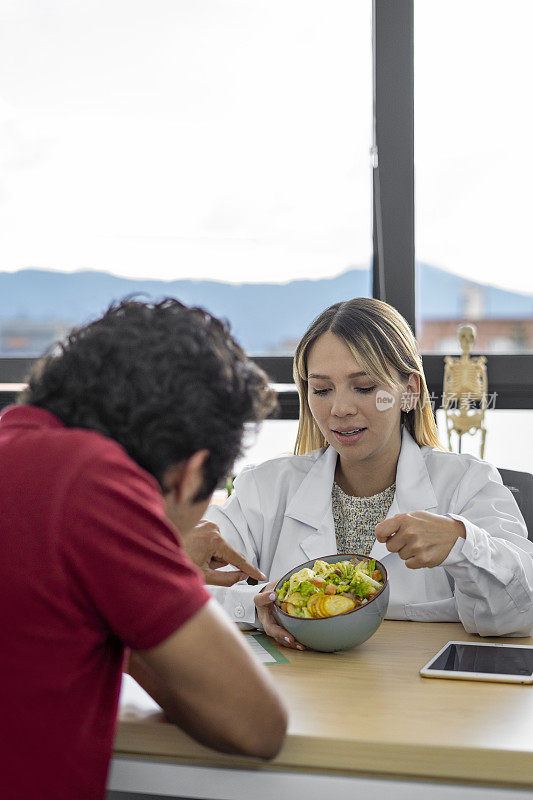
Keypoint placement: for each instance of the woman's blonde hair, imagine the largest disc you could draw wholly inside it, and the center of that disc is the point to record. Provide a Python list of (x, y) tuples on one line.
[(380, 339)]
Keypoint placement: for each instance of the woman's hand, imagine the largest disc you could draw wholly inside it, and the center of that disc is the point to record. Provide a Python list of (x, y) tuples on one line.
[(264, 601), (420, 538)]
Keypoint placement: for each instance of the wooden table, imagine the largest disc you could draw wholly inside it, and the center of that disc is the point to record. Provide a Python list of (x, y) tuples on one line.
[(360, 721)]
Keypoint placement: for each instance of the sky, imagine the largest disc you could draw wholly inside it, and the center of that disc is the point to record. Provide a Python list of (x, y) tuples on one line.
[(229, 139)]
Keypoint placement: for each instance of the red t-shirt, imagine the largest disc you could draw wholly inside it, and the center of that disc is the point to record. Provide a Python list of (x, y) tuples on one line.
[(88, 565)]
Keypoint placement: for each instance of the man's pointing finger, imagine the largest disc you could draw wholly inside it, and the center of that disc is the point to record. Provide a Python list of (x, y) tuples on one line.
[(224, 551)]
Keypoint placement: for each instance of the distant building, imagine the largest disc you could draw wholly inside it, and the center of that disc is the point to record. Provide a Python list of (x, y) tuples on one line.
[(439, 336), (473, 301), (28, 339), (505, 336), (494, 335), (286, 347)]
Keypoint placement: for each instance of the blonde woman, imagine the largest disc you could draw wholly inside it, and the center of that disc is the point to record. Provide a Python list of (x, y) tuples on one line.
[(370, 476)]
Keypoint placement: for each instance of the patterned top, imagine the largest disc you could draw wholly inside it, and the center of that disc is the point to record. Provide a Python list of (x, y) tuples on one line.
[(356, 517)]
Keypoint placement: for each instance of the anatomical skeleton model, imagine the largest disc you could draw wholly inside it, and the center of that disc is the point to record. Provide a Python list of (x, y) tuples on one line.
[(465, 390)]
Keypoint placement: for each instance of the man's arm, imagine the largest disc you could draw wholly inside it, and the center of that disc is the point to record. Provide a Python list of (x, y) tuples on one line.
[(208, 683)]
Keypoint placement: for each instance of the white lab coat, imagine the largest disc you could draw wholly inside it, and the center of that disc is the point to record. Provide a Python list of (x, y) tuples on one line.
[(280, 516)]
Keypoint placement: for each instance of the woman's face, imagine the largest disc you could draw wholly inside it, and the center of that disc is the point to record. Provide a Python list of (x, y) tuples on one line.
[(357, 416)]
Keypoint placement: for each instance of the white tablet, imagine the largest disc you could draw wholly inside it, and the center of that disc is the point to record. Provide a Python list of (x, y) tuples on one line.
[(511, 663)]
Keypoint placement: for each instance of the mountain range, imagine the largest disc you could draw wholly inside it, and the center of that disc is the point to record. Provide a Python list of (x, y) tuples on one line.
[(263, 316)]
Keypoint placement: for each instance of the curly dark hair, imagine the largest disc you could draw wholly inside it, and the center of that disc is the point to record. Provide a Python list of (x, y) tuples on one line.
[(162, 379)]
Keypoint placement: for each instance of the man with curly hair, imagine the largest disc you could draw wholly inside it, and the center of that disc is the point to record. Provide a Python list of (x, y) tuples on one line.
[(116, 445)]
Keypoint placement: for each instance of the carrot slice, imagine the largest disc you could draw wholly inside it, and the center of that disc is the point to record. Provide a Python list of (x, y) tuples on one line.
[(337, 604), (321, 608), (312, 604)]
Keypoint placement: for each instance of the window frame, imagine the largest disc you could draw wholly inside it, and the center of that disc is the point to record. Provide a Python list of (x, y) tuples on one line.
[(506, 379)]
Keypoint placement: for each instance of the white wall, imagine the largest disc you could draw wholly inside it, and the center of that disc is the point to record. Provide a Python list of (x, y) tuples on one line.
[(509, 441)]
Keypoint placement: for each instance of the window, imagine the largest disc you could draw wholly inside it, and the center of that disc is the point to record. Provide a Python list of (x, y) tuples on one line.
[(166, 140), (473, 168)]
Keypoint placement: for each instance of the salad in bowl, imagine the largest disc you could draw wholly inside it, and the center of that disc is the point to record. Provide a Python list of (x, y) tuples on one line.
[(327, 589), (334, 602)]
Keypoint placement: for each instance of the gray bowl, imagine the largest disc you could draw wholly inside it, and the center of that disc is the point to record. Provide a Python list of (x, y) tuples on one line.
[(344, 630)]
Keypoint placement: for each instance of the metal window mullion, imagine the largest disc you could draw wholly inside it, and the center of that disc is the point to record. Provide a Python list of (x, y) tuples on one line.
[(393, 156)]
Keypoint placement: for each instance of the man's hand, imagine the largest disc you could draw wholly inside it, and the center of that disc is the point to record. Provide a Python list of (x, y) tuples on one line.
[(264, 601), (208, 550), (420, 538)]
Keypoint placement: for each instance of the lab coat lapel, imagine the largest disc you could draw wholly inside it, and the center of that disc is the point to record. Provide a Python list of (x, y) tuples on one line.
[(311, 505), (414, 490)]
